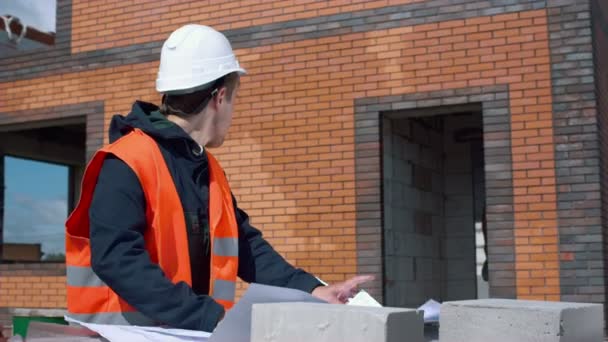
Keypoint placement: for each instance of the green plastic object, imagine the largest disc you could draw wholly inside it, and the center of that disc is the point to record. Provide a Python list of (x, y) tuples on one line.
[(22, 323)]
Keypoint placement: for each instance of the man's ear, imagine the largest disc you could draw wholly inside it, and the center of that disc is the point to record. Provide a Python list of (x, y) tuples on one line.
[(220, 97)]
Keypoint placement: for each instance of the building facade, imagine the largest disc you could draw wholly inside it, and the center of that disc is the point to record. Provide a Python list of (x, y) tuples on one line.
[(375, 137)]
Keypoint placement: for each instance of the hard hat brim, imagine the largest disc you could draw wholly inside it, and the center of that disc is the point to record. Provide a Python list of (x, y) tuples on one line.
[(186, 86)]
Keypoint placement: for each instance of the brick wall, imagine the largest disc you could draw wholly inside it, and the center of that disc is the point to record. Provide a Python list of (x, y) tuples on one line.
[(304, 161), (128, 23), (30, 286), (576, 152), (600, 49)]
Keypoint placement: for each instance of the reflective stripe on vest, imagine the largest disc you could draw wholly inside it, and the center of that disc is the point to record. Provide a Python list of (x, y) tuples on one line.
[(89, 298), (82, 276), (226, 246), (224, 289)]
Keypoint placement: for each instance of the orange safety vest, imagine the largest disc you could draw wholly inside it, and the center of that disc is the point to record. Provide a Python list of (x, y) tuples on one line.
[(89, 298)]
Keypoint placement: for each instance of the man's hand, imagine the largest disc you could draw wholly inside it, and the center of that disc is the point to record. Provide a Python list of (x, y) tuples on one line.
[(339, 293)]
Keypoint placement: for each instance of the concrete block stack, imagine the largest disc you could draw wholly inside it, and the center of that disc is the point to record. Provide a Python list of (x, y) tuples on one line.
[(321, 322), (506, 320)]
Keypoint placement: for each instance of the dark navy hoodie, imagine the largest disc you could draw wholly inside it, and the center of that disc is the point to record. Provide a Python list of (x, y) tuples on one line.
[(118, 221)]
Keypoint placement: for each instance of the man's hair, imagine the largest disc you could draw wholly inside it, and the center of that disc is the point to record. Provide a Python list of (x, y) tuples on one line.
[(193, 103)]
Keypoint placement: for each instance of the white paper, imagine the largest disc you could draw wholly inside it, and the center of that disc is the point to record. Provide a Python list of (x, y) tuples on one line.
[(236, 326), (363, 299), (431, 311), (130, 333)]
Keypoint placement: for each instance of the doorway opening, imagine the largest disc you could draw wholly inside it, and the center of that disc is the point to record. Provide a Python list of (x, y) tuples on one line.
[(433, 205)]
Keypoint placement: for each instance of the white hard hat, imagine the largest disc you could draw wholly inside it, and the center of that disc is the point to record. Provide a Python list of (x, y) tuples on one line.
[(192, 58)]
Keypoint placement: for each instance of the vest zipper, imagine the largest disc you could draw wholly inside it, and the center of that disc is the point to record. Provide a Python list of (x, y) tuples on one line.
[(204, 219)]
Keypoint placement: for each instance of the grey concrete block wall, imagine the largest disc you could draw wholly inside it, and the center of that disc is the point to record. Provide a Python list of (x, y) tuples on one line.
[(307, 322), (459, 240), (429, 211), (457, 226), (413, 211), (504, 320)]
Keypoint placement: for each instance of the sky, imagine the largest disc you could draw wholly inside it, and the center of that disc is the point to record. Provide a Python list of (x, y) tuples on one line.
[(36, 13), (36, 206)]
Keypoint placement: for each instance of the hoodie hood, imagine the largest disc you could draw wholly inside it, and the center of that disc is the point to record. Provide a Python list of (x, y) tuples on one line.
[(148, 118)]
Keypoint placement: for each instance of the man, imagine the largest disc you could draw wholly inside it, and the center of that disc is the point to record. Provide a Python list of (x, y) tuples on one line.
[(157, 237)]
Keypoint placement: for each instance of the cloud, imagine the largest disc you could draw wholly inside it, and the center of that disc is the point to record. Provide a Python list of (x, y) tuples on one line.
[(50, 211), (35, 220)]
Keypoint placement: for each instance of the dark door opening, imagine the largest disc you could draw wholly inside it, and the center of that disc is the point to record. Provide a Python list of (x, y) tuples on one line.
[(433, 173)]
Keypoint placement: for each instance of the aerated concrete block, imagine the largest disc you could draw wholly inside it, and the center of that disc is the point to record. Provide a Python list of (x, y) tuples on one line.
[(507, 320), (307, 322)]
